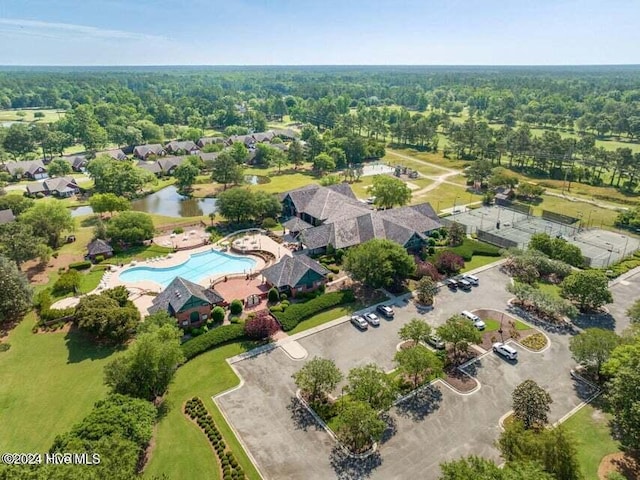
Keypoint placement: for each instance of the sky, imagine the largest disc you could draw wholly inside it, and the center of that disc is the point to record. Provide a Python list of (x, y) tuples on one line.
[(319, 32)]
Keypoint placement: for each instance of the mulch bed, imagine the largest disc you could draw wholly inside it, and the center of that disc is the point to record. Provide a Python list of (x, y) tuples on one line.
[(458, 380), (489, 338), (624, 463)]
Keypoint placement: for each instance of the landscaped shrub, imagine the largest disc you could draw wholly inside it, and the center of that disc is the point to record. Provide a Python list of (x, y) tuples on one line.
[(536, 342), (67, 283), (427, 269), (469, 248), (84, 265), (235, 307), (269, 223), (295, 313), (273, 296), (212, 338), (283, 296), (99, 258), (217, 314), (448, 263), (178, 230), (262, 326)]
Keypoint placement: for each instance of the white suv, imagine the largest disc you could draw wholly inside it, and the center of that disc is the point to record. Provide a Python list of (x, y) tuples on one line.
[(479, 324), (505, 350)]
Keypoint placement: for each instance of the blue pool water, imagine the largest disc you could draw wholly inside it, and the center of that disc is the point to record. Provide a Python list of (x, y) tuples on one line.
[(199, 266)]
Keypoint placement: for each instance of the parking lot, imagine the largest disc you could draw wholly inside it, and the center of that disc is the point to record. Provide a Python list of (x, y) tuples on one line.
[(438, 424)]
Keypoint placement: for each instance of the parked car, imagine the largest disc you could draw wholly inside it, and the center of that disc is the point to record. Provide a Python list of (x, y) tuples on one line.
[(472, 279), (506, 351), (372, 319), (479, 324), (451, 283), (359, 322), (436, 342), (385, 311), (464, 284)]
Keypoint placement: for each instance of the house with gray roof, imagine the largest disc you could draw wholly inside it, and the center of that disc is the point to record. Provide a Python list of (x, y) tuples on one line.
[(145, 151), (153, 167), (262, 137), (115, 153), (6, 216), (169, 164), (295, 274), (61, 187), (208, 157), (209, 140), (338, 219), (187, 147), (33, 169), (188, 302), (248, 140), (78, 162), (285, 134)]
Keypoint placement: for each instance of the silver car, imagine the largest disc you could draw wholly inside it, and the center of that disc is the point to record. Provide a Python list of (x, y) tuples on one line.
[(372, 319), (359, 322)]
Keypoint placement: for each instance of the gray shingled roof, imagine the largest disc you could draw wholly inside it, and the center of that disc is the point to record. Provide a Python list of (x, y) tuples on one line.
[(28, 166), (144, 150), (99, 247), (174, 146), (169, 163), (207, 140), (285, 133), (58, 184), (289, 270), (208, 156), (296, 224), (178, 293), (6, 216), (115, 153), (153, 167)]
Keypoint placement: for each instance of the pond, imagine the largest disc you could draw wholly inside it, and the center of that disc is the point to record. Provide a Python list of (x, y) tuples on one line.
[(256, 179), (167, 202)]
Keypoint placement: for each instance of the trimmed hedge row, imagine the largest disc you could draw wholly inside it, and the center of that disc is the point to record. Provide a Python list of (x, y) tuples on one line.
[(469, 248), (295, 313), (212, 338), (80, 265), (196, 410)]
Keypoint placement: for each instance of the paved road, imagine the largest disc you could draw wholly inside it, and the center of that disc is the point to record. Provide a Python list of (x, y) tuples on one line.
[(439, 425)]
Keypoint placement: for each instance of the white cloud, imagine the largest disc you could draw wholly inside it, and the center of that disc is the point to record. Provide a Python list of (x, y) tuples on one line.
[(36, 28)]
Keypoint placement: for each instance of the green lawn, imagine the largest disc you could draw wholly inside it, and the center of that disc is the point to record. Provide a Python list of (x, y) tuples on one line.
[(281, 182), (590, 428), (478, 261), (493, 325), (12, 115), (445, 196), (50, 381), (550, 288), (321, 318), (181, 449), (435, 158), (138, 253)]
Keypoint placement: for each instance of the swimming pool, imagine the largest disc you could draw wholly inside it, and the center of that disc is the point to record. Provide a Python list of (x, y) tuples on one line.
[(199, 266)]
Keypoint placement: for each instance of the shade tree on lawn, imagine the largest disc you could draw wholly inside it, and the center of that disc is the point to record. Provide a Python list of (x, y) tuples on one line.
[(389, 191), (107, 316), (15, 292), (130, 228), (226, 170), (59, 167), (19, 243), (379, 263), (109, 203), (50, 219), (455, 234), (242, 204), (185, 175), (531, 405), (120, 178)]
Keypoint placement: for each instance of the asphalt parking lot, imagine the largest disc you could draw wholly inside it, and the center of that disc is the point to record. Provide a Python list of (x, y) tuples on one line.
[(437, 425)]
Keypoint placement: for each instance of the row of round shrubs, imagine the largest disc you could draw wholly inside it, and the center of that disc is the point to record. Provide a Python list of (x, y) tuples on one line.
[(196, 410)]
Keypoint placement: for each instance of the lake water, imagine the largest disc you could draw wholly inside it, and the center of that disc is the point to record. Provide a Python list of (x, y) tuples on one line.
[(256, 179), (167, 202)]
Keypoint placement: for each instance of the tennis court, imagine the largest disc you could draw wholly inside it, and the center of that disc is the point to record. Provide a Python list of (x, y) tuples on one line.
[(506, 228)]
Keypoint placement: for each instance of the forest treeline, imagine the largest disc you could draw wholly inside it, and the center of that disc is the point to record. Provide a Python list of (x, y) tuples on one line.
[(470, 113)]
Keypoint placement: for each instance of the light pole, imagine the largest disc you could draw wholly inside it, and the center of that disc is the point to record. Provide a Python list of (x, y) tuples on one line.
[(626, 242), (454, 205)]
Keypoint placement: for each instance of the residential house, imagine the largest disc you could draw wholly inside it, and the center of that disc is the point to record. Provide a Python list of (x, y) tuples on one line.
[(296, 274), (263, 137), (185, 147), (209, 140), (248, 140), (188, 302), (285, 134), (6, 216), (33, 169), (208, 156), (145, 151), (61, 187), (153, 167), (116, 154), (78, 162), (169, 164), (98, 248), (338, 219)]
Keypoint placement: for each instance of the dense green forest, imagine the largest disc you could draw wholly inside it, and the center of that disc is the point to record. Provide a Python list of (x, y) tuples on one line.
[(550, 122)]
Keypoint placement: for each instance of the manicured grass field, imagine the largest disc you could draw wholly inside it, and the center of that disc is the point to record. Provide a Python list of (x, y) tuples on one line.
[(445, 196), (590, 428), (286, 180), (478, 261), (11, 115), (597, 216), (181, 449), (493, 325), (50, 381), (435, 158), (322, 318)]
